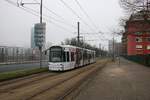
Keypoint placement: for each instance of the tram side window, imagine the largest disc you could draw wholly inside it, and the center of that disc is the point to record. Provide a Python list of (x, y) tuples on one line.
[(85, 55), (72, 56), (67, 56), (64, 56)]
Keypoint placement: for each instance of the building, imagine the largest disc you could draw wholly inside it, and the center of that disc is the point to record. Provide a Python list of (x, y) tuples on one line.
[(32, 38), (136, 39), (114, 48), (110, 47)]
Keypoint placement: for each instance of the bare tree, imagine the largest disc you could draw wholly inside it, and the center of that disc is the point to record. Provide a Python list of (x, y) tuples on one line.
[(122, 24), (123, 20), (115, 32), (137, 8), (131, 6), (83, 44)]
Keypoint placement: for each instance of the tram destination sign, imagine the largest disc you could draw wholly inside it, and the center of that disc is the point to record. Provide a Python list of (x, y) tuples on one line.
[(39, 34)]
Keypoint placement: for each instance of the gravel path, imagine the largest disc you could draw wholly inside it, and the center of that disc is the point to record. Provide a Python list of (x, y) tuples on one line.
[(129, 81)]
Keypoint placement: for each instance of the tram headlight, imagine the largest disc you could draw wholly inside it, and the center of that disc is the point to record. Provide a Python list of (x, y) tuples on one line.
[(61, 65)]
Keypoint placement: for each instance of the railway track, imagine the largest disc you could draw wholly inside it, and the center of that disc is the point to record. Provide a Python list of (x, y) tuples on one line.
[(71, 90), (78, 81), (20, 79), (55, 87), (55, 93), (57, 84), (21, 82)]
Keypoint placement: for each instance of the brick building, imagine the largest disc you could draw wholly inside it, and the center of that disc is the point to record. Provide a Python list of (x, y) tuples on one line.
[(136, 39)]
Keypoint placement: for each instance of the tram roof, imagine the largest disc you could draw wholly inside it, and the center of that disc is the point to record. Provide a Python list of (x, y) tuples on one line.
[(71, 46)]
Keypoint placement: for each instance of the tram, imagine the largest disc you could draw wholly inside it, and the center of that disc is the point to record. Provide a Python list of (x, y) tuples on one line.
[(67, 57)]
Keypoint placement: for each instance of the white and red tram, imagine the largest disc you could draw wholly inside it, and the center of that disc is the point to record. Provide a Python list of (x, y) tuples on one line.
[(66, 57)]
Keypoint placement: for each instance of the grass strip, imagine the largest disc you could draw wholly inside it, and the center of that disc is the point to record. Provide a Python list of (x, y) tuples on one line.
[(20, 73)]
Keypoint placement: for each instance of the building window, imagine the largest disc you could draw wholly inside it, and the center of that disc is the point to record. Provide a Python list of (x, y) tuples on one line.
[(148, 39), (148, 32), (138, 39), (138, 33), (138, 46), (148, 47)]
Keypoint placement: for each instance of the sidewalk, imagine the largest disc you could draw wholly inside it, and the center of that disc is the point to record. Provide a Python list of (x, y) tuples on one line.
[(129, 81)]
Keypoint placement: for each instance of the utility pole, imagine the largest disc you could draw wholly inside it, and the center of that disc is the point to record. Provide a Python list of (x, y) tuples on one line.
[(40, 47), (113, 49), (119, 46), (100, 49), (78, 37), (41, 4), (147, 5)]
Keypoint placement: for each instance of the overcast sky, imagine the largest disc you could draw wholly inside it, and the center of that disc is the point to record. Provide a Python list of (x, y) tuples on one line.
[(16, 24)]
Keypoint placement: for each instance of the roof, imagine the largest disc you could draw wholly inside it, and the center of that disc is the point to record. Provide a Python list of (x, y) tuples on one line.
[(140, 15), (70, 46)]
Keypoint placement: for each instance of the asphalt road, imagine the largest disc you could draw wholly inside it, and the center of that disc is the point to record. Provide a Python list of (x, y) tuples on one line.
[(14, 67), (127, 81)]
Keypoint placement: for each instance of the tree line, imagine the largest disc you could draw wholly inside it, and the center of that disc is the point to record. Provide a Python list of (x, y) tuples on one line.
[(82, 44)]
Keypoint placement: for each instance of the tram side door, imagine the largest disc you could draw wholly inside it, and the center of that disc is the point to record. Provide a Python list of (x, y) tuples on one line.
[(67, 58), (78, 58)]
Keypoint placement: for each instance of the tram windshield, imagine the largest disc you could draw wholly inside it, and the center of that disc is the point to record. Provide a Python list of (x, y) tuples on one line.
[(55, 54)]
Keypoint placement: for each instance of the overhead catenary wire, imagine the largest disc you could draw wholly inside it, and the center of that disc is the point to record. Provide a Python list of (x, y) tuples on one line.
[(11, 2), (98, 33), (54, 13), (62, 17), (51, 11), (82, 9), (74, 12), (36, 14), (26, 10), (49, 17)]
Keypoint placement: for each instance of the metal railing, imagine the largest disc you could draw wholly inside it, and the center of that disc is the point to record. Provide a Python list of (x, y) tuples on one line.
[(17, 55)]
